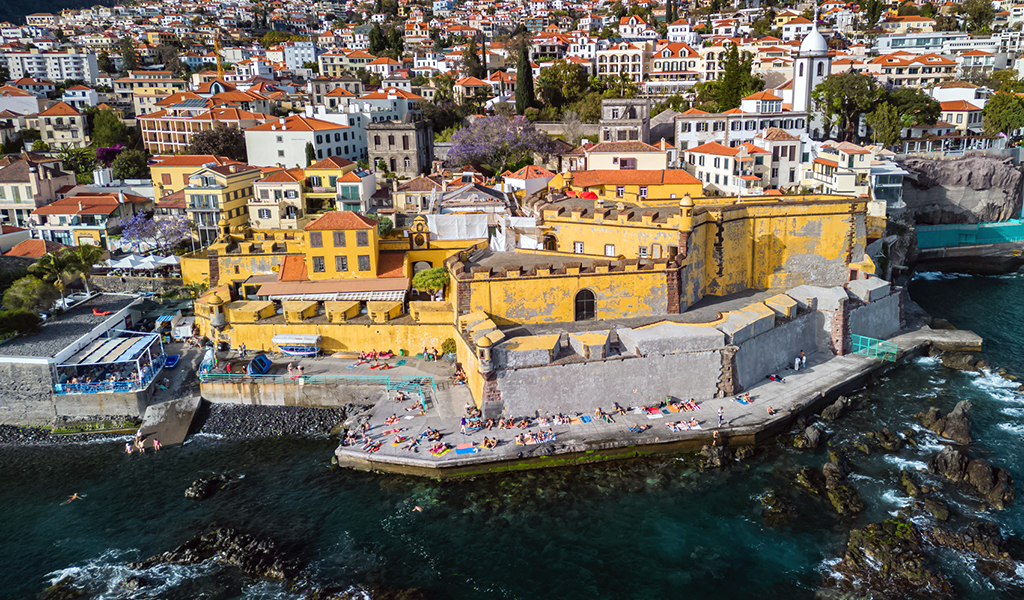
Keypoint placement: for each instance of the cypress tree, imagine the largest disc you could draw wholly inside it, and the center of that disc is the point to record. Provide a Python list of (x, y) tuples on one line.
[(524, 79)]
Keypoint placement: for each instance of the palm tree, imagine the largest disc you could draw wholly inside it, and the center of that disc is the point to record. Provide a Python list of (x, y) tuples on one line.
[(85, 257), (197, 288), (58, 267)]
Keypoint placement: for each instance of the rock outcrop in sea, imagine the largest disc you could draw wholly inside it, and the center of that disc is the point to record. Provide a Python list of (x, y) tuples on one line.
[(995, 485), (258, 557), (955, 426)]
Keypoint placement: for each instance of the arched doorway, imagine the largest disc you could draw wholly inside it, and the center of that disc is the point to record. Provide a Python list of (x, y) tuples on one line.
[(550, 243), (421, 266), (584, 305)]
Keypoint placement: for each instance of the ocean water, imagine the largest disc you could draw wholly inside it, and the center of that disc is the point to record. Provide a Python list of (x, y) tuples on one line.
[(632, 529)]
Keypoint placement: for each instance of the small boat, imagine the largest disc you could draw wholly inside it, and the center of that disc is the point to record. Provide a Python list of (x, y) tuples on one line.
[(298, 344), (172, 361)]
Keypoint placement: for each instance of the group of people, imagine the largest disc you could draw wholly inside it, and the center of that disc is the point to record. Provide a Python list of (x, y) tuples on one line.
[(431, 354), (139, 444), (683, 425), (682, 406), (534, 438)]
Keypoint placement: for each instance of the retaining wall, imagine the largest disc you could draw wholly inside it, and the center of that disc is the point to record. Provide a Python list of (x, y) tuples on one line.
[(120, 285), (288, 394), (775, 349), (879, 319)]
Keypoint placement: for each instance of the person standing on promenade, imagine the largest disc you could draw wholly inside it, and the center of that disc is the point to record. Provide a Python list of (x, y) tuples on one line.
[(721, 414), (156, 445), (803, 360), (241, 350)]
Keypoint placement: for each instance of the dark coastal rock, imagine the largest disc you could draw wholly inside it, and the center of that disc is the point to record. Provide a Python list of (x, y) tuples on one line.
[(887, 440), (254, 556), (377, 592), (955, 426), (775, 511), (810, 438), (837, 409), (844, 499), (937, 508), (981, 539), (913, 490), (861, 443), (204, 487), (888, 559), (994, 484), (811, 480), (744, 452), (62, 590), (961, 361), (715, 457)]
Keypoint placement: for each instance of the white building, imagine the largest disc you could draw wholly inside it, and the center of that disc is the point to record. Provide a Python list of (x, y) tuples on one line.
[(80, 97), (297, 54), (283, 142), (54, 66)]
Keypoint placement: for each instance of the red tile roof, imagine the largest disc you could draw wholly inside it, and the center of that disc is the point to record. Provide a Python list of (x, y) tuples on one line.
[(34, 248), (633, 177), (60, 109), (331, 162), (391, 264), (293, 268), (340, 219)]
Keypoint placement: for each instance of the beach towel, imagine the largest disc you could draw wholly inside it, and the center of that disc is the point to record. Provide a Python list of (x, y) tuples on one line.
[(351, 366), (419, 356), (575, 420), (673, 408), (400, 363), (656, 415), (697, 426), (443, 452), (390, 431), (399, 442), (653, 410), (465, 449), (586, 419), (741, 400)]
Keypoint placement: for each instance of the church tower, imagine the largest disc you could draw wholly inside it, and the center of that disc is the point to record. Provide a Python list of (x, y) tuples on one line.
[(810, 68)]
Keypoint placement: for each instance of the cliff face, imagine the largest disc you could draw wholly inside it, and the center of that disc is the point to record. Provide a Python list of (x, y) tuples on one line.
[(967, 190)]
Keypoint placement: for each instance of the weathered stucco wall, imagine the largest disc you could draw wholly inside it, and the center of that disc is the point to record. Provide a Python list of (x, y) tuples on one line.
[(879, 319), (25, 399), (134, 284), (580, 387), (337, 337), (775, 349), (288, 394)]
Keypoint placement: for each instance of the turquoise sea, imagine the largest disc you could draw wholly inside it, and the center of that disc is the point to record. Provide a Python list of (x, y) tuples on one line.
[(651, 528)]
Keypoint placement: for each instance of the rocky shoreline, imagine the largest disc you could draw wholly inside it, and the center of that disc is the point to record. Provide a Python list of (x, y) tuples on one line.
[(241, 421)]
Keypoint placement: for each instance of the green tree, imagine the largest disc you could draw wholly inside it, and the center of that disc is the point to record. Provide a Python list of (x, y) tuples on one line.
[(562, 83), (396, 42), (885, 124), (40, 146), (431, 280), (842, 98), (30, 293), (736, 81), (310, 154), (219, 141), (377, 41), (130, 164), (471, 61), (872, 10), (197, 288), (129, 57), (85, 257), (915, 106), (312, 66), (908, 10), (57, 267), (946, 23), (1003, 113), (384, 224), (104, 63), (108, 129), (928, 10), (1005, 80), (978, 14), (524, 79), (80, 160)]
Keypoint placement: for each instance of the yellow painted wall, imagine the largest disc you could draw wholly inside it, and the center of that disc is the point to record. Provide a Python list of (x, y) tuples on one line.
[(551, 299), (645, 161), (471, 365), (336, 337), (627, 238), (348, 248)]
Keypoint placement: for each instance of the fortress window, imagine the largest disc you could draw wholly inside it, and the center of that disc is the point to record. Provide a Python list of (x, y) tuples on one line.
[(318, 264), (609, 249), (577, 247), (362, 238), (316, 240), (364, 262), (584, 305)]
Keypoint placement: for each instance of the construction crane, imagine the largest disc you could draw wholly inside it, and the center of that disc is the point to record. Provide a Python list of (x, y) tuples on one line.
[(220, 62)]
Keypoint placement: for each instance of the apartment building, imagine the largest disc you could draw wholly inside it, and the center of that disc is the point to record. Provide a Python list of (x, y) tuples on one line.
[(63, 126), (729, 170), (55, 66), (170, 130), (170, 173), (216, 193), (279, 201), (283, 141), (631, 58), (87, 218), (26, 185), (142, 90), (911, 70)]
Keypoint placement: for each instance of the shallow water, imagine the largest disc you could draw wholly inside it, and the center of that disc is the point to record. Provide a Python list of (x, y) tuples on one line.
[(632, 529)]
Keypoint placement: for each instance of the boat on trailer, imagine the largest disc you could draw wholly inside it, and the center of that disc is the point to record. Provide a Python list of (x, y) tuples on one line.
[(294, 344)]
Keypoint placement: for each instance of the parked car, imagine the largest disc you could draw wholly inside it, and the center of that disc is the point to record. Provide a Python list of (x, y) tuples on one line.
[(259, 365)]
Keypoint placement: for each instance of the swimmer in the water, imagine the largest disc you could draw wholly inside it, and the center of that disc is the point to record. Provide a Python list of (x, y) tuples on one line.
[(73, 497)]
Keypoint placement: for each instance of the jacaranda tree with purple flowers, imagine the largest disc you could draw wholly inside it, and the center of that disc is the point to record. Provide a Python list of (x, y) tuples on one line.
[(497, 143), (143, 231), (107, 155)]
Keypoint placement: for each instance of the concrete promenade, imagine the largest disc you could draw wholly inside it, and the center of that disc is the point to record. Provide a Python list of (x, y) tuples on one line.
[(804, 391)]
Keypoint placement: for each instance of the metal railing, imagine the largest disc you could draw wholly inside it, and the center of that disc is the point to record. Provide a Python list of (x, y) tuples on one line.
[(132, 385), (391, 383), (872, 348)]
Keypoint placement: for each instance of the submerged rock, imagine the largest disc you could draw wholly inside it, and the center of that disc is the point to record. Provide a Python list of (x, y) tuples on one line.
[(715, 457), (994, 484), (886, 439), (937, 509), (204, 487), (62, 590), (844, 498), (981, 539), (888, 558), (810, 438), (837, 409), (955, 426), (810, 480), (913, 490), (961, 361), (254, 556), (775, 510)]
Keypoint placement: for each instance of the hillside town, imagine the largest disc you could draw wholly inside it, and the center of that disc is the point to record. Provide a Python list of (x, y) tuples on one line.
[(532, 208)]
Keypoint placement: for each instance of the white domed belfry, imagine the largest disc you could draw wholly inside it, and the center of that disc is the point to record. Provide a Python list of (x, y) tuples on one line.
[(810, 68)]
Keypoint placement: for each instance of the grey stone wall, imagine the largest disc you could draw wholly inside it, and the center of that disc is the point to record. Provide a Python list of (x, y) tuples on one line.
[(86, 405), (25, 399), (288, 394), (581, 387), (879, 319), (120, 285), (775, 349)]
